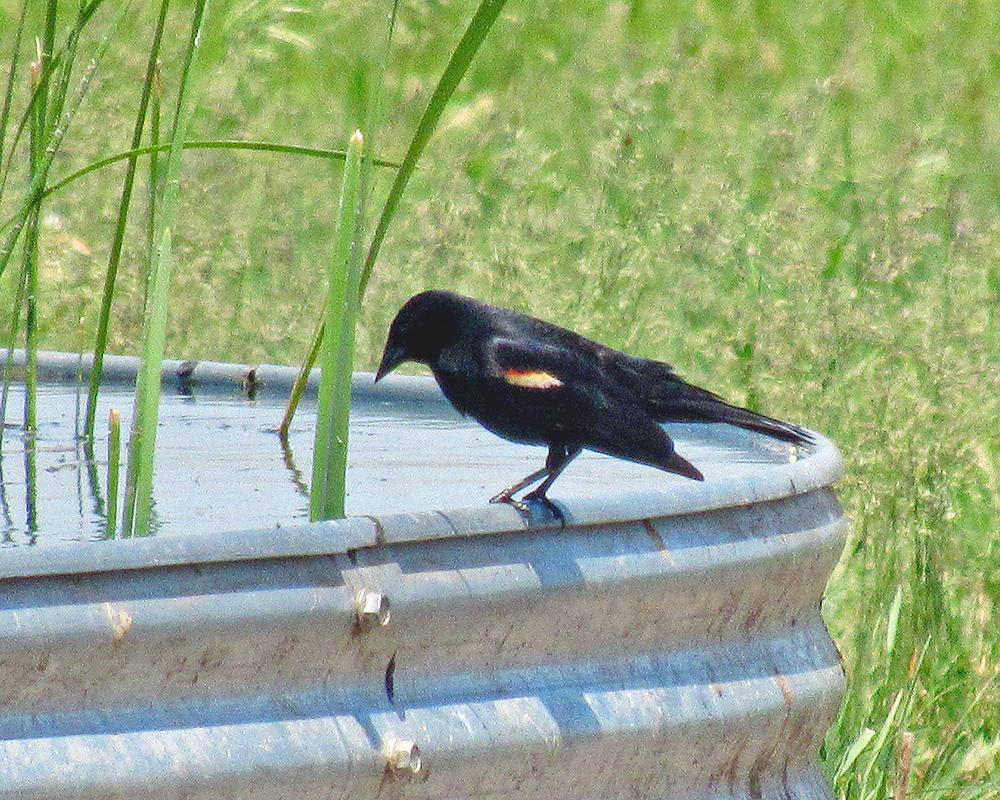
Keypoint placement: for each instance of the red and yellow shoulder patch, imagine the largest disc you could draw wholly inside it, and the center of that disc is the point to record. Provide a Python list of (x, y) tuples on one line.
[(531, 378)]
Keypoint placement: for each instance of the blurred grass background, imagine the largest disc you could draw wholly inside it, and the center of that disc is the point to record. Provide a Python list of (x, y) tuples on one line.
[(796, 204)]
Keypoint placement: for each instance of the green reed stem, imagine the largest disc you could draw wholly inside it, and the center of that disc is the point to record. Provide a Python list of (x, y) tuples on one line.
[(299, 387), (111, 274), (212, 144), (337, 353), (35, 191), (372, 122), (142, 442), (8, 98), (476, 32)]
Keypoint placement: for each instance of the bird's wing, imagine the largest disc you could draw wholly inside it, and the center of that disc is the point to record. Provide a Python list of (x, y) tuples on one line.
[(569, 388), (540, 367), (562, 388), (654, 381)]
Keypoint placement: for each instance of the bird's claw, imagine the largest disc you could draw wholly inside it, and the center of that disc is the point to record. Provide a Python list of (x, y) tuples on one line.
[(526, 506), (503, 497)]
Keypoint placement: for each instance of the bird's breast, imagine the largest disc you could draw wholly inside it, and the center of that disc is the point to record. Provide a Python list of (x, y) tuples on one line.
[(485, 400)]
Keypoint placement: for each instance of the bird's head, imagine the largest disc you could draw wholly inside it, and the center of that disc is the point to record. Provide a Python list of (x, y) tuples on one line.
[(424, 326)]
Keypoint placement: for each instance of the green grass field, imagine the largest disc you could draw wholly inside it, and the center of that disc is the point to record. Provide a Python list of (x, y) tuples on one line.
[(796, 204)]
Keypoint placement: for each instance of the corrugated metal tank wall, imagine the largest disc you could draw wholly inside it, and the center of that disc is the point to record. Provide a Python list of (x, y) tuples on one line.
[(664, 644)]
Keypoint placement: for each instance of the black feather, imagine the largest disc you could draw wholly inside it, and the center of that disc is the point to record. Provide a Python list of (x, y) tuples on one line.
[(531, 381)]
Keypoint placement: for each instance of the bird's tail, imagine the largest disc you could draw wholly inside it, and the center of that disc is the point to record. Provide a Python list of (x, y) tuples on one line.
[(687, 403), (681, 466)]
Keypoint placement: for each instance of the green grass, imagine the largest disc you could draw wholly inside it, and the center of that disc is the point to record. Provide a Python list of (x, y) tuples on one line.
[(794, 203)]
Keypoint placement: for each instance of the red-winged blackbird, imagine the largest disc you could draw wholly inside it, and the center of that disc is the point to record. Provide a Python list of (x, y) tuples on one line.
[(531, 381)]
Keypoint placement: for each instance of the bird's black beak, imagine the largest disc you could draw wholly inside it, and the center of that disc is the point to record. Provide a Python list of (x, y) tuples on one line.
[(393, 356)]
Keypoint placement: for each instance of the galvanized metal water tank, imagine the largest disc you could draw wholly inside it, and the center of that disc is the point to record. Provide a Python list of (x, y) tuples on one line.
[(666, 644)]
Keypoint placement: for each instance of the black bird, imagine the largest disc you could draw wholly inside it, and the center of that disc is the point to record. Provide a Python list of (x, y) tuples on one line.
[(533, 382)]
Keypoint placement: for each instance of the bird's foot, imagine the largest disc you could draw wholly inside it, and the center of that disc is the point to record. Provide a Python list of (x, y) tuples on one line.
[(529, 507), (540, 497), (508, 498)]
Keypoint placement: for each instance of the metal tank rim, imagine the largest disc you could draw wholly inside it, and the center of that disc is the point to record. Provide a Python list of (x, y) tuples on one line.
[(820, 467)]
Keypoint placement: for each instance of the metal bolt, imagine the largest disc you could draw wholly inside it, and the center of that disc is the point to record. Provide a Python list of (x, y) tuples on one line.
[(403, 756), (371, 609)]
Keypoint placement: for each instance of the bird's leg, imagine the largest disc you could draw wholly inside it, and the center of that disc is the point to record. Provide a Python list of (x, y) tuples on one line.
[(559, 456), (556, 462), (507, 495)]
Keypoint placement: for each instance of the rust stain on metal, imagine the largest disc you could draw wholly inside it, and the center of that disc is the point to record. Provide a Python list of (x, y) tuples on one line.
[(753, 618), (657, 539), (786, 689), (379, 530)]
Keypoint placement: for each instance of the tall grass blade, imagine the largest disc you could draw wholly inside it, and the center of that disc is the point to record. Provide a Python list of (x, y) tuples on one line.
[(4, 171), (29, 279), (46, 45), (8, 98), (182, 118), (14, 226), (370, 122), (36, 151), (480, 25), (142, 443), (9, 361), (42, 70), (210, 144), (139, 480), (337, 353), (30, 485), (299, 387), (878, 742), (66, 62), (893, 623), (859, 745), (153, 177), (114, 258)]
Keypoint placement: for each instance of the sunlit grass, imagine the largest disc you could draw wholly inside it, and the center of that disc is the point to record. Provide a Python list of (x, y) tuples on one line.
[(795, 204)]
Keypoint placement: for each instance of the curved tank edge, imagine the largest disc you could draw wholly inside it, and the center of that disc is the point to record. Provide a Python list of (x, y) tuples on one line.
[(821, 468), (343, 535)]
